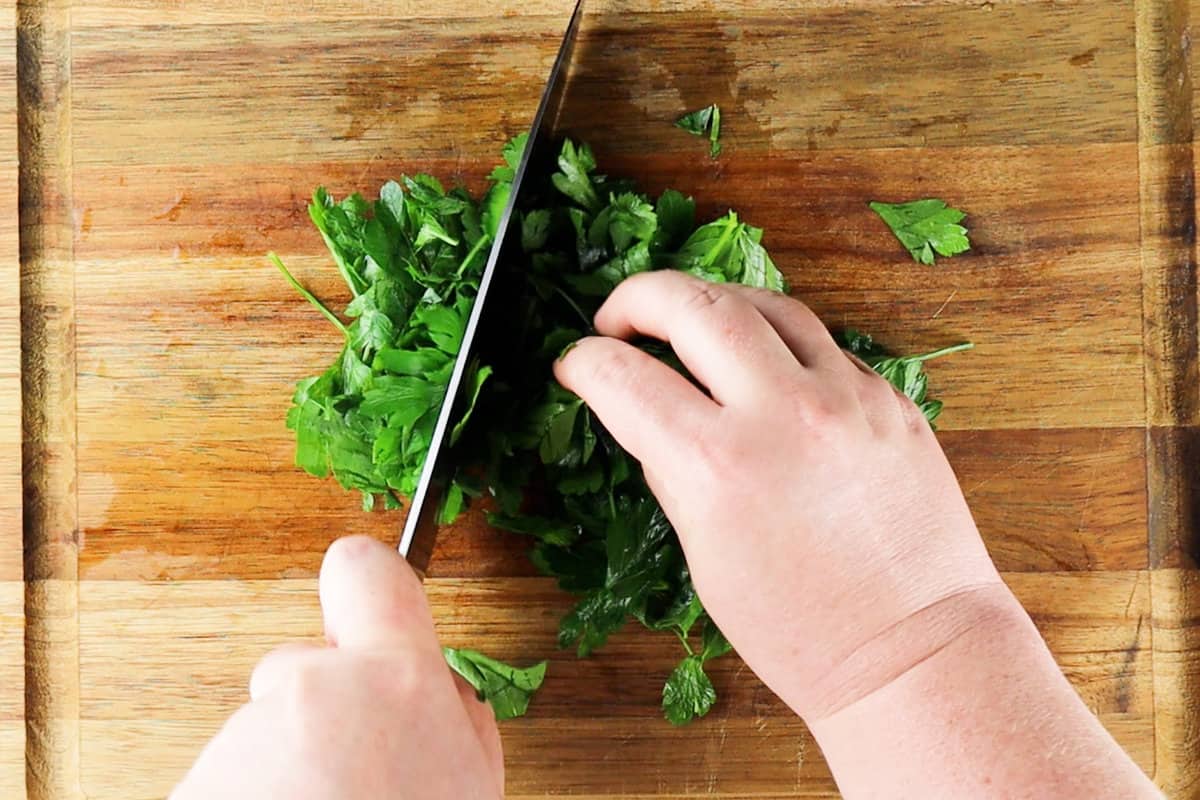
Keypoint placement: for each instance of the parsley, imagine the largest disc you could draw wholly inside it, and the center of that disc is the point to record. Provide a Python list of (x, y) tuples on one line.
[(412, 261), (506, 688), (906, 373), (925, 227), (702, 121)]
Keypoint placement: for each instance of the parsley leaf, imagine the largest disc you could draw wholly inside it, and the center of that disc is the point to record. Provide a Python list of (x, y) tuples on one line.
[(573, 179), (727, 250), (508, 689), (688, 692), (702, 121), (925, 227), (512, 152), (906, 373)]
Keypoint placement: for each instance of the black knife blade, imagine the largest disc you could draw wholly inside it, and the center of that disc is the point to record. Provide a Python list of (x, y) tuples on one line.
[(420, 526)]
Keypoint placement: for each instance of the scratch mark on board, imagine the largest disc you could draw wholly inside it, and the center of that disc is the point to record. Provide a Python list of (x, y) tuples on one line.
[(945, 303)]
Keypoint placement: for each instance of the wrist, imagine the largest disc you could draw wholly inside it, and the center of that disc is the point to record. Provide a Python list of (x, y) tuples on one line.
[(985, 712), (905, 645)]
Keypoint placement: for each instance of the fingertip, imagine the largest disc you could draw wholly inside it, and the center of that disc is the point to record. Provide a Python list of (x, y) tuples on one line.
[(369, 593), (352, 555), (570, 358), (648, 407), (612, 319), (354, 546)]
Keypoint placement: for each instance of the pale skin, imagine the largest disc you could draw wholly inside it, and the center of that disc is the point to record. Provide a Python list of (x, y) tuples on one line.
[(827, 537)]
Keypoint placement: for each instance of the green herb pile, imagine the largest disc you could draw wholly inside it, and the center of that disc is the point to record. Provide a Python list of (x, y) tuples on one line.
[(412, 261)]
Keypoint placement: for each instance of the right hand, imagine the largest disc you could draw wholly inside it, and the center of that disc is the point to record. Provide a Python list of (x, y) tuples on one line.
[(823, 527), (376, 714)]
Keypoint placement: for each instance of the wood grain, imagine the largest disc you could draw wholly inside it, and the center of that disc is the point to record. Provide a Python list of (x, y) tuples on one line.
[(1169, 300), (48, 403), (1175, 596), (12, 695), (12, 594), (261, 519), (197, 641), (166, 146), (1028, 287)]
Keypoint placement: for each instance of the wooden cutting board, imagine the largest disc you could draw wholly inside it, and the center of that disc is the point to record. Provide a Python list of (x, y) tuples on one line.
[(164, 147)]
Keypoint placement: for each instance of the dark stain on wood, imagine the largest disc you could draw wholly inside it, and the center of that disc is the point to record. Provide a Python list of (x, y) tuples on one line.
[(1124, 691), (1083, 59)]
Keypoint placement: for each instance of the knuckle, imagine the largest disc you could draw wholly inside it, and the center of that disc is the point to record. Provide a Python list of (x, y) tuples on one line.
[(913, 417), (616, 364), (399, 678), (704, 297), (302, 683), (875, 392), (820, 413), (303, 692), (395, 676), (817, 409)]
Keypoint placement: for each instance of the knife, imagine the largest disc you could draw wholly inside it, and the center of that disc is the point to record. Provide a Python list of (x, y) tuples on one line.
[(420, 526)]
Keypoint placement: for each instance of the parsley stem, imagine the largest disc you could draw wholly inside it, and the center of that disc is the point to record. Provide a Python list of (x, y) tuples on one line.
[(945, 351), (479, 243), (718, 249), (309, 296), (587, 323)]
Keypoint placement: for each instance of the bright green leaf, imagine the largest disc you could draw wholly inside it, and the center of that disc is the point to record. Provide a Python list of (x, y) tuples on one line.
[(508, 689), (925, 227)]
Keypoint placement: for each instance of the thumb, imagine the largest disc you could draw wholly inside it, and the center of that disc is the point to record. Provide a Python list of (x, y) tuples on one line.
[(371, 598)]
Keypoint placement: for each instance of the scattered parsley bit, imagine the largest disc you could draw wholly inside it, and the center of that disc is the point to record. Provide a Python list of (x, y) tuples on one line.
[(906, 373), (507, 689), (926, 227), (412, 261), (702, 121)]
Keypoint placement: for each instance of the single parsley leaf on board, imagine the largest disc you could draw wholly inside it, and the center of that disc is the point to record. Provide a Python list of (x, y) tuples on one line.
[(703, 121), (688, 693), (508, 689), (925, 227)]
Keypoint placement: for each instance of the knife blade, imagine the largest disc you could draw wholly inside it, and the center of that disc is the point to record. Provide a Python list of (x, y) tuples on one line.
[(420, 526)]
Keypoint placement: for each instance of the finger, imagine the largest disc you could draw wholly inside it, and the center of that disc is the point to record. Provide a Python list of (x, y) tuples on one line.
[(804, 334), (719, 336), (859, 364), (650, 409), (371, 598), (277, 664), (483, 720), (874, 383)]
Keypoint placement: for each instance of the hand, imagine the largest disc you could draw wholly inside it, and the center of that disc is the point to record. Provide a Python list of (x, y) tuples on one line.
[(824, 529), (377, 714)]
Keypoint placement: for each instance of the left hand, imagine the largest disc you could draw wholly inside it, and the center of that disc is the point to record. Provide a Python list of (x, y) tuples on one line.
[(376, 714)]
